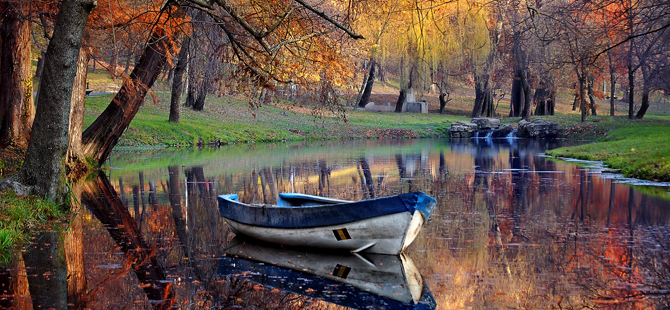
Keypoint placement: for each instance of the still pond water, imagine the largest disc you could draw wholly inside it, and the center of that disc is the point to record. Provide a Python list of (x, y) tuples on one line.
[(512, 229)]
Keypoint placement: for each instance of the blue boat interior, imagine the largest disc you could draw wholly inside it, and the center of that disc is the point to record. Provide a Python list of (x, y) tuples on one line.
[(302, 200)]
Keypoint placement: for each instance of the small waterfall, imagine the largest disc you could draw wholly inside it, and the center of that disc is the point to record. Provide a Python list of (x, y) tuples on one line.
[(483, 134), (513, 134), (488, 135)]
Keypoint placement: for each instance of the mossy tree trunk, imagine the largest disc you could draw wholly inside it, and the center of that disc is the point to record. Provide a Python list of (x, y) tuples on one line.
[(44, 166)]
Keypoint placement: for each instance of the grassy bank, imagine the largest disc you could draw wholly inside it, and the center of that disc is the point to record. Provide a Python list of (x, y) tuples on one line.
[(19, 216), (231, 120), (641, 149)]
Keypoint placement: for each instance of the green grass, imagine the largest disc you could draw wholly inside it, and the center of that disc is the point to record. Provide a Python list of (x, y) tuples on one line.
[(19, 216), (228, 120), (641, 149)]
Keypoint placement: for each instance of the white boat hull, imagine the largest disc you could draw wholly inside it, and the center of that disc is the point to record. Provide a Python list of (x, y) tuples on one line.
[(387, 234)]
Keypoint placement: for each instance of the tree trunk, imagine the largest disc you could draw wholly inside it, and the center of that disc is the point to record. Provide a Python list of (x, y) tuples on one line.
[(631, 82), (39, 68), (14, 284), (612, 82), (100, 138), (38, 77), (127, 66), (525, 113), (515, 103), (74, 256), (520, 100), (122, 228), (612, 93), (174, 196), (44, 166), (402, 97), (401, 101), (545, 98), (483, 92), (367, 183), (644, 105), (75, 154), (199, 103), (582, 97), (381, 73), (483, 96), (592, 99), (365, 98), (540, 100), (205, 86), (443, 101), (46, 270), (552, 99), (645, 93), (178, 81), (17, 109), (191, 96)]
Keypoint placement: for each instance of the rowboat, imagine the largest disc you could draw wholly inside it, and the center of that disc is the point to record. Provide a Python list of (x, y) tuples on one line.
[(363, 281), (383, 226)]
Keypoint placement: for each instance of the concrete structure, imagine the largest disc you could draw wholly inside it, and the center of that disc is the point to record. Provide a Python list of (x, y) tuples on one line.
[(386, 107)]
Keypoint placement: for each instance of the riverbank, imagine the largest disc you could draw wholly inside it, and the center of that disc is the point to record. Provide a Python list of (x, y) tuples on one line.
[(20, 216), (228, 120), (640, 149)]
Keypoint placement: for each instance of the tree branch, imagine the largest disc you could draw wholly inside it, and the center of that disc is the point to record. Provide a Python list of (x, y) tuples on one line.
[(330, 20), (630, 38)]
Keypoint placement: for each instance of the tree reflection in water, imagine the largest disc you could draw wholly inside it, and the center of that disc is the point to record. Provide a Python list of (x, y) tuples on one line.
[(512, 229)]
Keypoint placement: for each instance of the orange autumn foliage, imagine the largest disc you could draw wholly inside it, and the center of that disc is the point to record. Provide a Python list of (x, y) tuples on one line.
[(123, 27)]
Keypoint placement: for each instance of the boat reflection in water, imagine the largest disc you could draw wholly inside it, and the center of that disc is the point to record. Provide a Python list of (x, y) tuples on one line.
[(371, 281)]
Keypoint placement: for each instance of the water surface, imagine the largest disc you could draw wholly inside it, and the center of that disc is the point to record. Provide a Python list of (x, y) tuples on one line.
[(512, 228)]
